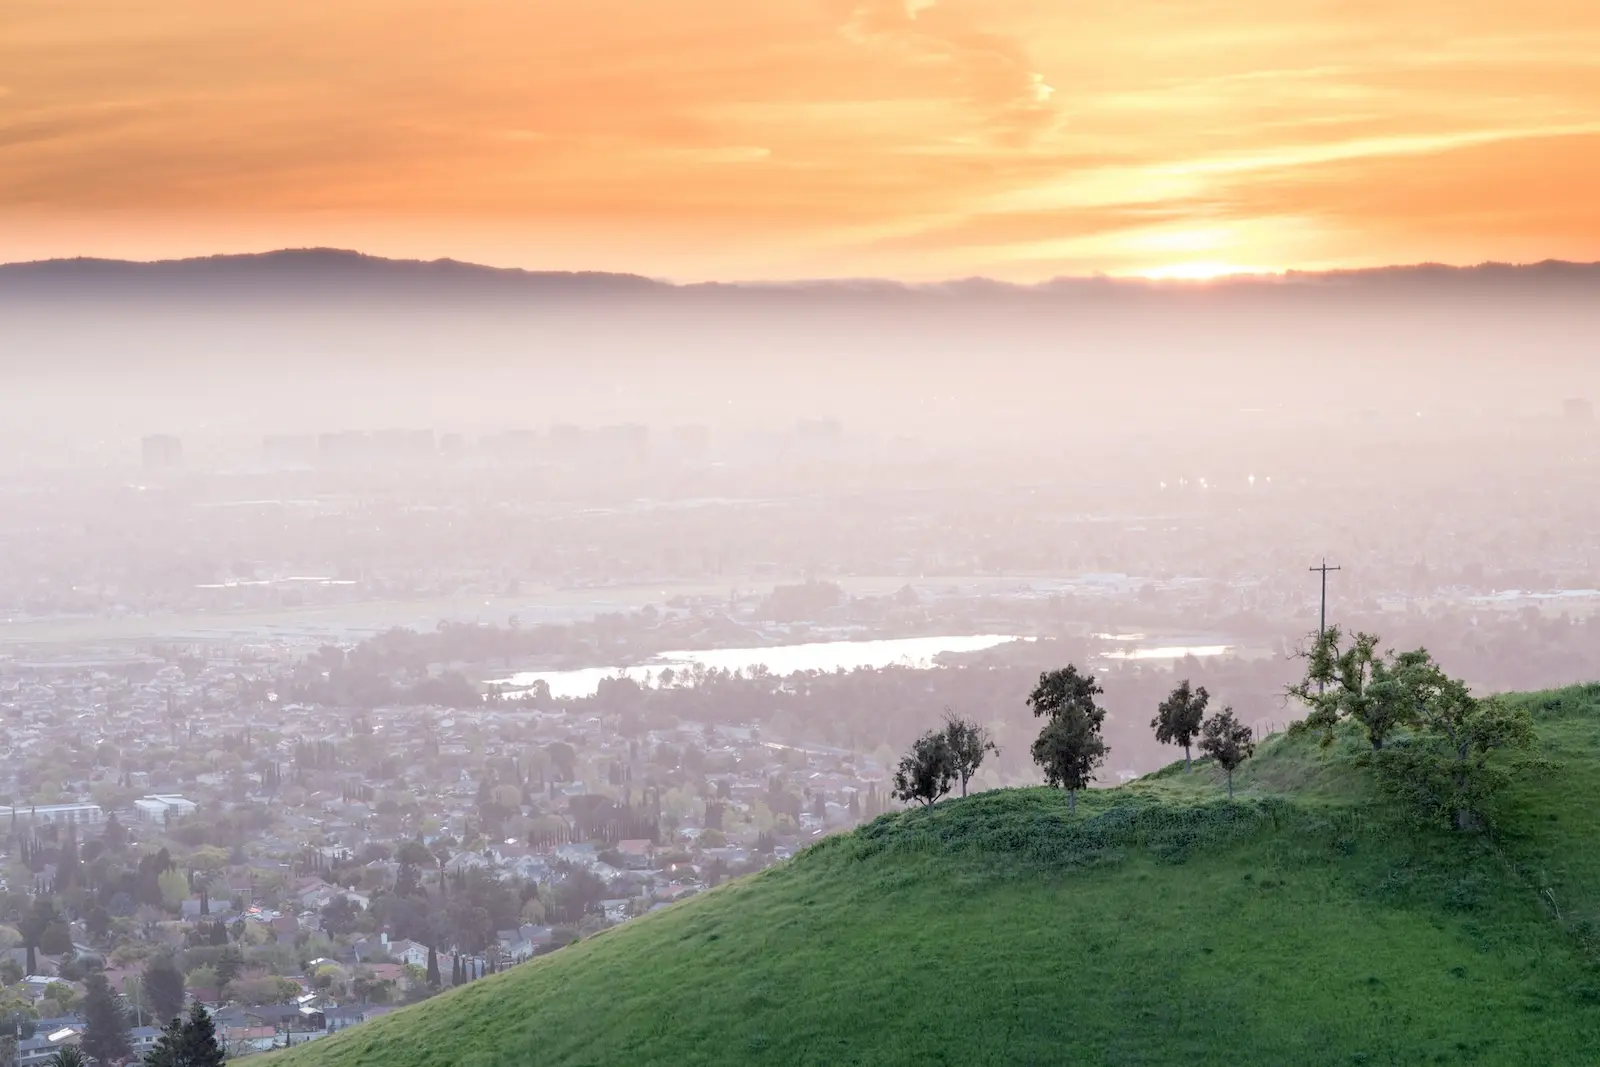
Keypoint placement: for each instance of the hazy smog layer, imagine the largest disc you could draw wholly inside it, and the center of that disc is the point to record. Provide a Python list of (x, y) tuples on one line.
[(420, 612)]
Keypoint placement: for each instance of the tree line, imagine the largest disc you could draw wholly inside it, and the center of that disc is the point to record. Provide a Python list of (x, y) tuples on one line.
[(1432, 743), (1070, 747)]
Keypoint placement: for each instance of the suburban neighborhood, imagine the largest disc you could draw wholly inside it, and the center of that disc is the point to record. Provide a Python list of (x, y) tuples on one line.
[(179, 829)]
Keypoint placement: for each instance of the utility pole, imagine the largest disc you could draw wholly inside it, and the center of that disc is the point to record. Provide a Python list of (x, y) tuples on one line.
[(1322, 617)]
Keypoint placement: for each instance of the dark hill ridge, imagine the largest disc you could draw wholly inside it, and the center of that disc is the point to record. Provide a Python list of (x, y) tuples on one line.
[(1306, 924), (332, 274), (313, 272)]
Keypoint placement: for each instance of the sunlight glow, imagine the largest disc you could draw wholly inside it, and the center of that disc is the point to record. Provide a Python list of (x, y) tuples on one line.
[(1202, 270), (918, 139)]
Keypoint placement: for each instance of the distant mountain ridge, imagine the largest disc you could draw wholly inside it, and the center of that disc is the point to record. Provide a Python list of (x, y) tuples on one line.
[(326, 273)]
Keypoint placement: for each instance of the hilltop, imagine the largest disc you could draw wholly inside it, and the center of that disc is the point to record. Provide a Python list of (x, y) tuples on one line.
[(1308, 923)]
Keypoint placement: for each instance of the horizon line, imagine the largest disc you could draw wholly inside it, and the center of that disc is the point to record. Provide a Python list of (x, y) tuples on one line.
[(1178, 275)]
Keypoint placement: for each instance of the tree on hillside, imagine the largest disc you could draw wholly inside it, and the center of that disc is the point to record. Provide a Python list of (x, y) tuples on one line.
[(1359, 683), (162, 986), (926, 772), (968, 743), (1062, 688), (1069, 748), (1178, 718), (434, 978), (1228, 742), (1447, 767), (106, 1034), (188, 1042)]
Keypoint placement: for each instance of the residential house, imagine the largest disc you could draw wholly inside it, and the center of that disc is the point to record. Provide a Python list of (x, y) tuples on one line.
[(42, 1046), (411, 952), (465, 861), (243, 1040), (287, 929), (637, 854), (144, 1039)]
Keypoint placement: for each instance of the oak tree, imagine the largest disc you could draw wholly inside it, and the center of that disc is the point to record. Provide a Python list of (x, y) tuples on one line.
[(927, 772), (1178, 718), (1069, 748), (1227, 741), (968, 742)]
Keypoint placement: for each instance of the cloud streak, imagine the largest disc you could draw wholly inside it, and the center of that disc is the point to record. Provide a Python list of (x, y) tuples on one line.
[(988, 71)]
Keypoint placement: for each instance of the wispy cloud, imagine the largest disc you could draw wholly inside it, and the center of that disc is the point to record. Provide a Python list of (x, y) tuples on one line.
[(989, 71), (912, 137)]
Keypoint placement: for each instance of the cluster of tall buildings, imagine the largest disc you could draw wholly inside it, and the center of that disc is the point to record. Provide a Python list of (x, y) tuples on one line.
[(623, 443), (161, 451)]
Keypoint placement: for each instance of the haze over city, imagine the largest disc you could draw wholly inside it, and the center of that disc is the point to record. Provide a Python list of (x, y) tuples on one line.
[(725, 523)]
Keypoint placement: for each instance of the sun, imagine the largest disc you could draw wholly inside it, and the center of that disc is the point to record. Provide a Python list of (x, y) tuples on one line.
[(1201, 270)]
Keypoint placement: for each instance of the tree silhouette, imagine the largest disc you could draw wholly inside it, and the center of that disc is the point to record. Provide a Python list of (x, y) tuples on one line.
[(106, 1034), (1447, 768), (927, 772), (162, 986), (1070, 747), (968, 743), (1356, 683), (1227, 741), (188, 1042), (1178, 719)]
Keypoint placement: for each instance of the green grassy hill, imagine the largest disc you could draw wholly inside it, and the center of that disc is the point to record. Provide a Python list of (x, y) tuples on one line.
[(1306, 924)]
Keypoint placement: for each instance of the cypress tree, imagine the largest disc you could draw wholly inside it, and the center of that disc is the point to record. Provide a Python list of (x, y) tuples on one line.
[(106, 1035), (162, 985), (433, 968), (200, 1040), (190, 1042)]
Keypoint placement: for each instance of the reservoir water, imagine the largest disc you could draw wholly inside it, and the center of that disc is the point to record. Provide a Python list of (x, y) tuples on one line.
[(779, 659), (827, 656)]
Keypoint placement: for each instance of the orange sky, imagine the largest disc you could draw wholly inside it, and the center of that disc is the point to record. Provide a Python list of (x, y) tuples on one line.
[(780, 138)]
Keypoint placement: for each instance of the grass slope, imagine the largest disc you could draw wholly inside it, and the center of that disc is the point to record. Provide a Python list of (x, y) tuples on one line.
[(1303, 925)]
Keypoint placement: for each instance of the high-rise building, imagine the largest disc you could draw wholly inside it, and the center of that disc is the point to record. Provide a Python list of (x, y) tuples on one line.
[(628, 441), (289, 450), (161, 450), (566, 439), (819, 433), (691, 442)]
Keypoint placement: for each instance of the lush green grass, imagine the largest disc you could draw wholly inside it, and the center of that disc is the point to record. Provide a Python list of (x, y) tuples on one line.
[(1302, 925)]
